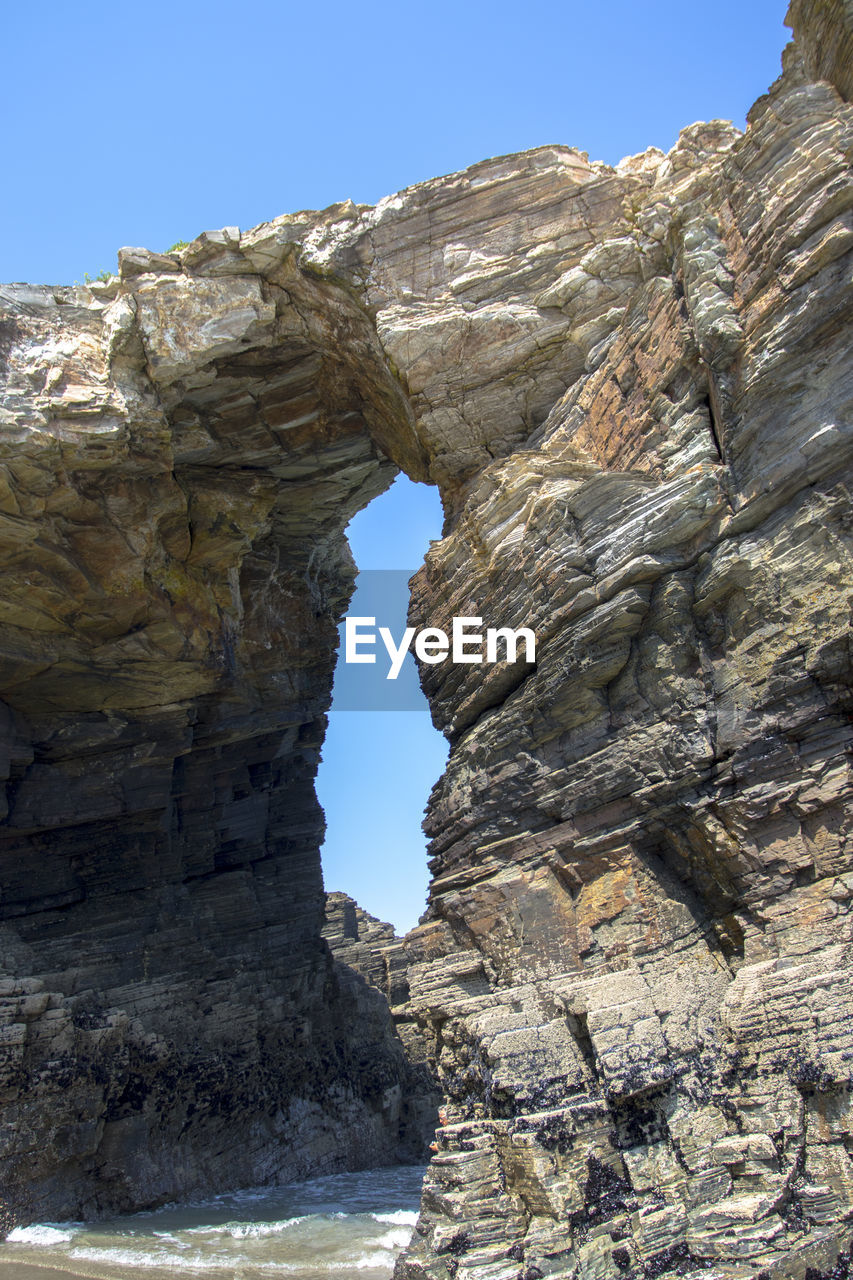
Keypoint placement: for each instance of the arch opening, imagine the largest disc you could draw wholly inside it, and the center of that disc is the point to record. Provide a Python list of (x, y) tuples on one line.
[(380, 761)]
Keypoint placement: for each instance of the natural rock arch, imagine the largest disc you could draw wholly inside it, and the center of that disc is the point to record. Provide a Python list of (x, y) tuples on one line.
[(632, 387)]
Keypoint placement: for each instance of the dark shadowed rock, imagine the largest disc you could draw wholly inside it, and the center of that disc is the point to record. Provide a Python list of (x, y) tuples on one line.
[(368, 951)]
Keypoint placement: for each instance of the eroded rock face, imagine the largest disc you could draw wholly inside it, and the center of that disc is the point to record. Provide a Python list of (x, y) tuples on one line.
[(633, 387), (637, 961), (180, 455), (368, 951)]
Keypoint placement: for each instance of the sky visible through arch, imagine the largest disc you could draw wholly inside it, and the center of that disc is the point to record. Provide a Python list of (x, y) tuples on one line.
[(378, 766), (144, 125)]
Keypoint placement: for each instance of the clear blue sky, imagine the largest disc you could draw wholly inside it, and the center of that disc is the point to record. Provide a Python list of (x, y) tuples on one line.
[(378, 766), (144, 124)]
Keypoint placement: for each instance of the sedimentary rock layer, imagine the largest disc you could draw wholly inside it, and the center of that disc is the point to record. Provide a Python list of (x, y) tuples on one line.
[(637, 960), (632, 386), (368, 951), (180, 453)]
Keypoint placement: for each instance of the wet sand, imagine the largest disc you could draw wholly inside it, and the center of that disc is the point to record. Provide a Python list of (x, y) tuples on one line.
[(23, 1271)]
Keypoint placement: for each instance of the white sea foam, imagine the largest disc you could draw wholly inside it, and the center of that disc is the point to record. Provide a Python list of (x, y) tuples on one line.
[(259, 1230), (170, 1240), (331, 1227), (247, 1230), (42, 1234), (145, 1258), (369, 1260), (396, 1239)]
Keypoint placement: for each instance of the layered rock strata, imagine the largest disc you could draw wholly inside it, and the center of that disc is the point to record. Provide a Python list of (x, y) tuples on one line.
[(180, 452), (367, 950), (637, 962), (633, 388)]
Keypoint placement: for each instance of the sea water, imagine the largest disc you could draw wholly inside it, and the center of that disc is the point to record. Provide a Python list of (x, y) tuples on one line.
[(347, 1224)]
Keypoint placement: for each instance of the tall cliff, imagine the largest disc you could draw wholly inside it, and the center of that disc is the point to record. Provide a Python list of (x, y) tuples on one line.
[(633, 389), (180, 452)]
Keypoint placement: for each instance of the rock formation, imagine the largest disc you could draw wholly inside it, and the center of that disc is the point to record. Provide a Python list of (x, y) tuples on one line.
[(173, 1020), (633, 388), (368, 950)]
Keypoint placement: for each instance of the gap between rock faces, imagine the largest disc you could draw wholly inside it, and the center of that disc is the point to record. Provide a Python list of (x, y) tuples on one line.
[(381, 754), (618, 394)]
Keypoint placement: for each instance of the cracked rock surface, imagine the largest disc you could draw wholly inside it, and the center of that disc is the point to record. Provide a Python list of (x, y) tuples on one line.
[(633, 388)]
